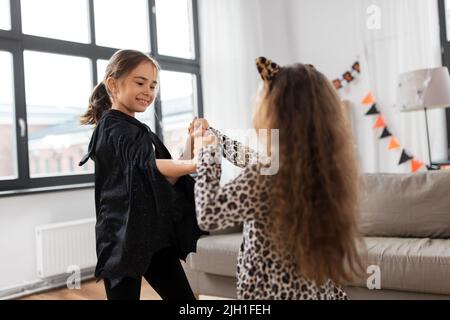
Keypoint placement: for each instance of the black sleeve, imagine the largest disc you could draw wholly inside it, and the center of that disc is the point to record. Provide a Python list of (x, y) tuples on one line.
[(133, 147)]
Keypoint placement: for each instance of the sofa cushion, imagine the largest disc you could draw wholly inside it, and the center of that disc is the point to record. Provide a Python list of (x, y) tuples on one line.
[(216, 254), (406, 205), (416, 265), (406, 264)]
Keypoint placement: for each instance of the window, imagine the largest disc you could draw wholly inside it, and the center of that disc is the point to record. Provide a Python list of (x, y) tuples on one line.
[(175, 28), (52, 53), (447, 20), (444, 17), (53, 110), (65, 20), (5, 20), (112, 30), (101, 68), (8, 168), (178, 101)]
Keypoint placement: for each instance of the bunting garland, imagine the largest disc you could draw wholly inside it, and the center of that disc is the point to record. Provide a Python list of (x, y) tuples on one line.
[(379, 123), (405, 157), (373, 110), (348, 76), (369, 100), (416, 165), (393, 144), (386, 134)]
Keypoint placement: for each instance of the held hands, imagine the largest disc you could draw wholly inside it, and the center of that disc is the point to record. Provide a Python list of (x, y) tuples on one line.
[(201, 135), (196, 123), (188, 153)]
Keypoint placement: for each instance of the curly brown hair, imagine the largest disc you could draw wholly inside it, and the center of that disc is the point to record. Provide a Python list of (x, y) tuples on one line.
[(314, 196)]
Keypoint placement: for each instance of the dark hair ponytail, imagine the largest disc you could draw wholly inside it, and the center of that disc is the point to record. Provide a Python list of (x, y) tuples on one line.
[(121, 63), (99, 102)]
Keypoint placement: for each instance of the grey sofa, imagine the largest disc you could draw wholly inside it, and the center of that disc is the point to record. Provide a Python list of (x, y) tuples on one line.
[(405, 220)]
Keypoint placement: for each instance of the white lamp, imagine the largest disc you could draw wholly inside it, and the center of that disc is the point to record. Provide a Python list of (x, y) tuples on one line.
[(423, 90)]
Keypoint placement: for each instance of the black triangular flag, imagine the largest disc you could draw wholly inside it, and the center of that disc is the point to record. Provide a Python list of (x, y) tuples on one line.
[(386, 133), (404, 158), (373, 110)]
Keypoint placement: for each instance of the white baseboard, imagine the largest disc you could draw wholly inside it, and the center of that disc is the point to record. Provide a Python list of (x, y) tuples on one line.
[(37, 286)]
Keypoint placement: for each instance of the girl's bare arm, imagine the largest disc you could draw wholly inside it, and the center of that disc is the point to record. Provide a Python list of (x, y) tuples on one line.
[(174, 169)]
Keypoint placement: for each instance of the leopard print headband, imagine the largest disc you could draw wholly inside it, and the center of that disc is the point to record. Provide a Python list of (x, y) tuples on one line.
[(267, 68)]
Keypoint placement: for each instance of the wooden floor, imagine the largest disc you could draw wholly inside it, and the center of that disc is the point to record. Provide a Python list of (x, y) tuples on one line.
[(90, 290)]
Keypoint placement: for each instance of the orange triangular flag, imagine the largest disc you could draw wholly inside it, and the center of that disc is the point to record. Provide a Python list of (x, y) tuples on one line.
[(416, 165), (393, 144), (380, 123), (368, 100)]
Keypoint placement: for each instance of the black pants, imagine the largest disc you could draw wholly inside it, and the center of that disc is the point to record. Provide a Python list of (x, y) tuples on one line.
[(166, 276)]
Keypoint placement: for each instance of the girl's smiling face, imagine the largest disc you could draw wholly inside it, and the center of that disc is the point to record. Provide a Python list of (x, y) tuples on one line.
[(136, 91)]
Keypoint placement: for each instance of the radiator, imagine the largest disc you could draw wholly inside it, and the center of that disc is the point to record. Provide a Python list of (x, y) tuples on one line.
[(64, 245)]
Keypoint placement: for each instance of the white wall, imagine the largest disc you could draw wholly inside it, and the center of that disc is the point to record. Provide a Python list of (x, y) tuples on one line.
[(328, 34), (233, 33), (275, 31), (325, 33), (332, 34), (18, 218)]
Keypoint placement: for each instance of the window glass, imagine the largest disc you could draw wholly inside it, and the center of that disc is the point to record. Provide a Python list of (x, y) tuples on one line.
[(57, 92), (8, 150), (447, 18), (178, 102), (64, 20), (122, 24), (175, 28)]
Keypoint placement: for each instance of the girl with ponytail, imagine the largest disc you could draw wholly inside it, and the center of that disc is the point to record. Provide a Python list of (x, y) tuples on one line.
[(144, 200)]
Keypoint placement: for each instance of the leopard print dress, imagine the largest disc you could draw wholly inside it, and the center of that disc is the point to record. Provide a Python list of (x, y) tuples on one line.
[(263, 271)]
